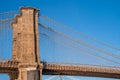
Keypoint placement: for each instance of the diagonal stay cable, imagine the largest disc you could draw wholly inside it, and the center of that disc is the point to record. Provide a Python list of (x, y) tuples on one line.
[(81, 42), (79, 33), (80, 48)]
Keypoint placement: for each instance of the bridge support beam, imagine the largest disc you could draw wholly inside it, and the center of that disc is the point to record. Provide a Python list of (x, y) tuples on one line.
[(40, 74), (13, 75), (29, 72), (26, 74), (29, 75)]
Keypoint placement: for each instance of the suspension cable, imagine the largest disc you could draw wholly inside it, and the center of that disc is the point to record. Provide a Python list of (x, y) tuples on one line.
[(60, 77), (51, 78), (81, 49), (79, 33), (72, 78), (10, 12), (6, 20), (81, 42)]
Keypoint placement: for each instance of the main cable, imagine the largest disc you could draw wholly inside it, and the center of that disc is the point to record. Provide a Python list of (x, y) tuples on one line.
[(77, 32), (80, 48), (81, 42)]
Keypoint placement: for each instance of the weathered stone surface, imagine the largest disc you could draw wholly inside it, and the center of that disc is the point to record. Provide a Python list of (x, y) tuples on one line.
[(25, 36), (26, 44)]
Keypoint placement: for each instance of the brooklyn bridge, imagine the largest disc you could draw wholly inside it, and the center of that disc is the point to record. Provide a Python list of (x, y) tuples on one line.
[(26, 32)]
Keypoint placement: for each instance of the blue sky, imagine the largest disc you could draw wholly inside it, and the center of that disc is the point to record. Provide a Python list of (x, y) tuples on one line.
[(96, 18)]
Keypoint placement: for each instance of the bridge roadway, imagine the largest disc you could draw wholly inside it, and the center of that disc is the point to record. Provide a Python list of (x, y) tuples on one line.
[(8, 66), (66, 69), (81, 70)]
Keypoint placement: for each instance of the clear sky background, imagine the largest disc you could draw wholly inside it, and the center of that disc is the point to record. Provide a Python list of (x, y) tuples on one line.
[(96, 18)]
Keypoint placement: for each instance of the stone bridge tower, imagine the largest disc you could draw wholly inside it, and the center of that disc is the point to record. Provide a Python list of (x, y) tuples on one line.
[(25, 47)]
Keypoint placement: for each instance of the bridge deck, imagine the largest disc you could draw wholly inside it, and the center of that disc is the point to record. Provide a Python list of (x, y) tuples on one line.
[(67, 69), (81, 70), (8, 66)]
